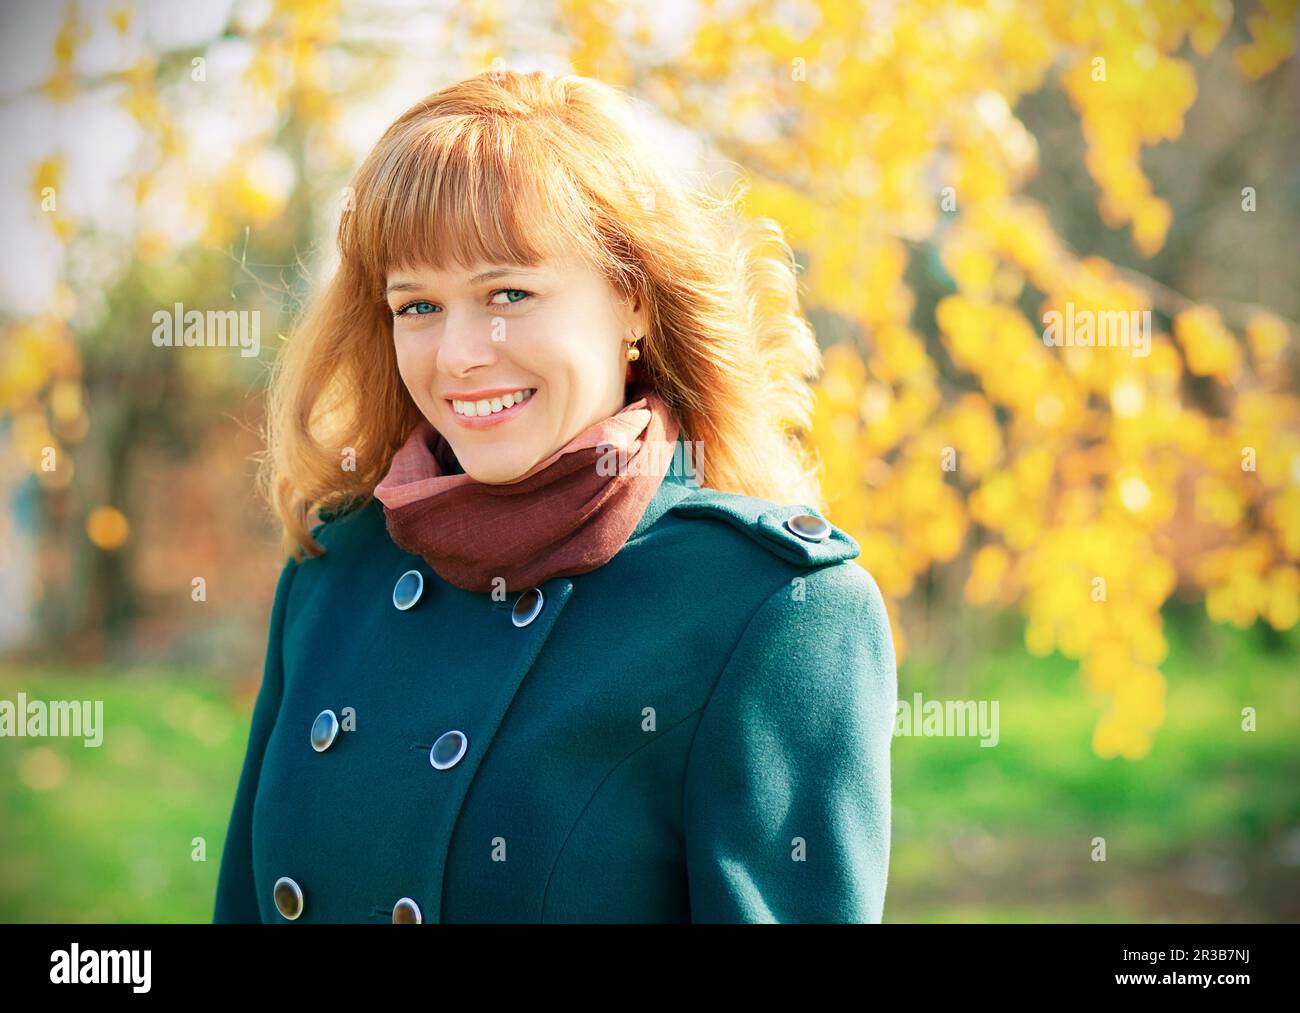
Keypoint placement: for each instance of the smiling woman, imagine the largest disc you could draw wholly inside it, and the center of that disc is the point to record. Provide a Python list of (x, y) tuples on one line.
[(592, 242), (645, 692), (464, 342)]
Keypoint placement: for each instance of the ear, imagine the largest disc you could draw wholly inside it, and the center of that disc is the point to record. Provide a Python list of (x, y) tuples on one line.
[(638, 311)]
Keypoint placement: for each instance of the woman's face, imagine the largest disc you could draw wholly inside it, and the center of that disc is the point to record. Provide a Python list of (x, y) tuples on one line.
[(469, 339)]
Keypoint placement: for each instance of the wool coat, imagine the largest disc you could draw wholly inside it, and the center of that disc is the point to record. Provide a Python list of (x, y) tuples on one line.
[(697, 731)]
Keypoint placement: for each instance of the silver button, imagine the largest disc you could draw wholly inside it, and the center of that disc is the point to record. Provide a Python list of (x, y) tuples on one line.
[(288, 897), (407, 590), (323, 730), (528, 606), (406, 912), (448, 750), (809, 527)]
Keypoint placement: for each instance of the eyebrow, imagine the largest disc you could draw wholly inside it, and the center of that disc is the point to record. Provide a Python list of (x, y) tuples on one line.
[(496, 272)]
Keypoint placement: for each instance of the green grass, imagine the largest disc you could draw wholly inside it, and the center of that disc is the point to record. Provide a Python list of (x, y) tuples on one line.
[(107, 833), (1205, 828)]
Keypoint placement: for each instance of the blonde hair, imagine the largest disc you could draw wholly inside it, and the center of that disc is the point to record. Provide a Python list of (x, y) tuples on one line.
[(509, 167)]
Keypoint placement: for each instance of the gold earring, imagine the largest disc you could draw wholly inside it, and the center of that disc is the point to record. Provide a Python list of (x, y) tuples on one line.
[(633, 353)]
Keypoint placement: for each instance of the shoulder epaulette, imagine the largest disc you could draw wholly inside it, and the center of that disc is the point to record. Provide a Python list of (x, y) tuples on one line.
[(797, 533)]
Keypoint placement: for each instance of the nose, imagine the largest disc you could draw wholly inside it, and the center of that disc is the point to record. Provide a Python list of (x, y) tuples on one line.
[(466, 344)]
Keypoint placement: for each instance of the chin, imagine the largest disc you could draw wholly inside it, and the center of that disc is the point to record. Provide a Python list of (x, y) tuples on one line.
[(496, 469)]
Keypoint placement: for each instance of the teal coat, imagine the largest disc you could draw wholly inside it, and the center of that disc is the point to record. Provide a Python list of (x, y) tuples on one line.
[(697, 731)]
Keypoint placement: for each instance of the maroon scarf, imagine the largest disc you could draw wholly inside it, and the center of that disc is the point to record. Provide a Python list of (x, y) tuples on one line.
[(560, 518)]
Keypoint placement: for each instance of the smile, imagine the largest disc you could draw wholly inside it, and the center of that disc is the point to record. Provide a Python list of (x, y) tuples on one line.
[(491, 411)]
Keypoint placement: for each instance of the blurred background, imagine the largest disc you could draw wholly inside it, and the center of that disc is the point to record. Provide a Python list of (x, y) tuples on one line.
[(1104, 543)]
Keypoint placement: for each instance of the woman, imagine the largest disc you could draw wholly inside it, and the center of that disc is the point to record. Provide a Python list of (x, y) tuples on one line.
[(573, 640)]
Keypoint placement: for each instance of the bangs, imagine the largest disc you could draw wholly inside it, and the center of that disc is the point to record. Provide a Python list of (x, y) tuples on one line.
[(461, 191)]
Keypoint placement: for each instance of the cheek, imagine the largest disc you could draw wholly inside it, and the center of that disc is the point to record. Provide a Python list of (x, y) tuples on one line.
[(554, 344), (415, 368), (529, 344), (414, 357)]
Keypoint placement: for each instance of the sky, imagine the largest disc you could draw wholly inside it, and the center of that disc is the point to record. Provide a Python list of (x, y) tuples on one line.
[(101, 143)]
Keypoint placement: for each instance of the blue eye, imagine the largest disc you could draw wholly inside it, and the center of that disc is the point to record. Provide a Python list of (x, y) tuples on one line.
[(520, 291), (402, 312)]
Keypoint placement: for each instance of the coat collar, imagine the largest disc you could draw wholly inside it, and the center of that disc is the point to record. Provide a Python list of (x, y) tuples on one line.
[(681, 480)]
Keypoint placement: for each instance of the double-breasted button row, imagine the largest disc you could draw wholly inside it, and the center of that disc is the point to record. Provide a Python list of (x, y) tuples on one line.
[(410, 588), (451, 746), (289, 902), (446, 752)]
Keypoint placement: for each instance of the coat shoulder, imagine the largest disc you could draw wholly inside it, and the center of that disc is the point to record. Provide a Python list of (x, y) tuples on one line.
[(354, 522), (796, 532)]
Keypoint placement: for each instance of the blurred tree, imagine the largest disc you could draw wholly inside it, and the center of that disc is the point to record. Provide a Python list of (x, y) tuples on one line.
[(900, 146)]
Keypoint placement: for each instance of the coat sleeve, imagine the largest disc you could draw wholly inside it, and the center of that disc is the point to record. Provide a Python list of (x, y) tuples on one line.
[(786, 805), (236, 899)]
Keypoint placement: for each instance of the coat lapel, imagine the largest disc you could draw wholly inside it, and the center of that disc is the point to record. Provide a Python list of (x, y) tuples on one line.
[(522, 646)]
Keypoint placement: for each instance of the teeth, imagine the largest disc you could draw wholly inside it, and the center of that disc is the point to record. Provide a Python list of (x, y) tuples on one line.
[(490, 406)]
